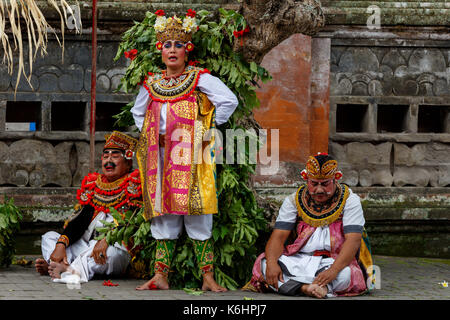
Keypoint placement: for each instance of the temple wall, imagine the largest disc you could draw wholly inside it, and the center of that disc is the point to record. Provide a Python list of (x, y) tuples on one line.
[(378, 100)]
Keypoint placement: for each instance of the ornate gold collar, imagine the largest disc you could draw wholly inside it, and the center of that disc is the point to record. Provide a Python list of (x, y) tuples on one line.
[(309, 212), (164, 89)]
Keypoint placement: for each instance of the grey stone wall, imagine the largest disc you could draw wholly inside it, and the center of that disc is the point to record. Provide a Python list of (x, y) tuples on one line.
[(390, 107), (56, 154)]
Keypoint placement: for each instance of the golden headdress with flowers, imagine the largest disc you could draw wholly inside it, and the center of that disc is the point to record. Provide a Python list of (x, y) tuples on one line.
[(121, 141), (174, 28), (321, 166)]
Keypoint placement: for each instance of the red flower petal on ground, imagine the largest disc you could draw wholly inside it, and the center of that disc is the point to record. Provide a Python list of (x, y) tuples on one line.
[(109, 284), (153, 286)]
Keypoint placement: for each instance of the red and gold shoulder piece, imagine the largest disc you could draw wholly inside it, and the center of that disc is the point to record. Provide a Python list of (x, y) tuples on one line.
[(172, 89), (84, 194)]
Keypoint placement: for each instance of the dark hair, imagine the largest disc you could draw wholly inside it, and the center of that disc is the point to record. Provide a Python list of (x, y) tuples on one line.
[(322, 158)]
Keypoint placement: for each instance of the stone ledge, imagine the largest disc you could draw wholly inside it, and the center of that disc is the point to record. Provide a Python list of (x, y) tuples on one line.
[(336, 12)]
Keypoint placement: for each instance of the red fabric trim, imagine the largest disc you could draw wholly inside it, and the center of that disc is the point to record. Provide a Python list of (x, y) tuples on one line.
[(184, 96), (319, 253), (89, 187)]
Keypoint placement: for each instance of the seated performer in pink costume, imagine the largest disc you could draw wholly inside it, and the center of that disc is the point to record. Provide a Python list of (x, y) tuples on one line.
[(329, 256)]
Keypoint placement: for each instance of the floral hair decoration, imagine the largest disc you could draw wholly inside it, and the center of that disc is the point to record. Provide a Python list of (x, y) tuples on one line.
[(174, 28)]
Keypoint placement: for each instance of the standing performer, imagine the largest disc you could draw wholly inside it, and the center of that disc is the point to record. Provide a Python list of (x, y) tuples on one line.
[(75, 251), (328, 257), (173, 110)]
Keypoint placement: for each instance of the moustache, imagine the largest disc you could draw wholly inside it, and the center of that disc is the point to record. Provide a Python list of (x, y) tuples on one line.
[(109, 164), (320, 193)]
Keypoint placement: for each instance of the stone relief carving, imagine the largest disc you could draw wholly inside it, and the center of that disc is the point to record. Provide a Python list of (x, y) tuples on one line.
[(393, 164), (73, 75), (35, 163), (376, 71)]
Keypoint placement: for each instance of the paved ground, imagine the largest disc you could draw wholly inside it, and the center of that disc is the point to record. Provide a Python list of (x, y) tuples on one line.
[(401, 278)]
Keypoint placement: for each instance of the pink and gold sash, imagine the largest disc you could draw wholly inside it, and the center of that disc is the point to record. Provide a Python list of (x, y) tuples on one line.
[(180, 180)]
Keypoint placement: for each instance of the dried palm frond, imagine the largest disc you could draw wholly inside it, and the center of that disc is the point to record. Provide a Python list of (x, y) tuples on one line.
[(16, 11)]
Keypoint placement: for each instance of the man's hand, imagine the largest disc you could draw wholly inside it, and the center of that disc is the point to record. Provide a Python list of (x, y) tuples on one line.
[(99, 251), (273, 274), (59, 254), (274, 249), (325, 277)]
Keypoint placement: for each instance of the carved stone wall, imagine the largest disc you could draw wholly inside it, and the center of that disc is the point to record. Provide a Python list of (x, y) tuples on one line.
[(390, 109), (56, 153)]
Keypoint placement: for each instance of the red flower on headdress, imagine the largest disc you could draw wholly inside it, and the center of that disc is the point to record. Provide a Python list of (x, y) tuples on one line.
[(191, 13), (160, 13), (159, 45), (131, 54), (189, 46), (129, 155)]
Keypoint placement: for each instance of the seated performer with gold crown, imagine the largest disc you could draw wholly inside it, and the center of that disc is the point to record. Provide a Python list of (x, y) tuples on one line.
[(328, 257), (75, 251)]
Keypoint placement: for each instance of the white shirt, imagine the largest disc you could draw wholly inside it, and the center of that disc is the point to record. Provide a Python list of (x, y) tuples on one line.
[(352, 215), (217, 92)]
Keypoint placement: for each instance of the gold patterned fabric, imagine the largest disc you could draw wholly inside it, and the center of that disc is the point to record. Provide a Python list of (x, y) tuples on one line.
[(324, 215), (188, 185), (316, 170), (119, 140)]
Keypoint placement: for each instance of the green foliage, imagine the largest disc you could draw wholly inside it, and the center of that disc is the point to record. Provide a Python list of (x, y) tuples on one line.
[(10, 218), (240, 221)]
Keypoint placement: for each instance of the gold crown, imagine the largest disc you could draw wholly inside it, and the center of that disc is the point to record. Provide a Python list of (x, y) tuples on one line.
[(119, 140), (173, 30), (322, 166)]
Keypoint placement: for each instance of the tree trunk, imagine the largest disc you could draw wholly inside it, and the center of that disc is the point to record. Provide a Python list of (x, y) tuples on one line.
[(272, 21)]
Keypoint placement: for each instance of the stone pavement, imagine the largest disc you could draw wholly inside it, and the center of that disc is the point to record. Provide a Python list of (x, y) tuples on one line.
[(401, 279)]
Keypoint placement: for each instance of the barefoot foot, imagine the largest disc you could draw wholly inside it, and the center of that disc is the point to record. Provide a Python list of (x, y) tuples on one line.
[(41, 266), (209, 284), (314, 290), (158, 282), (55, 269)]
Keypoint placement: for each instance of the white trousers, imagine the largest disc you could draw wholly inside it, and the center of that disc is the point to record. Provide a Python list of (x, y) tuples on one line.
[(303, 268), (79, 257), (169, 227)]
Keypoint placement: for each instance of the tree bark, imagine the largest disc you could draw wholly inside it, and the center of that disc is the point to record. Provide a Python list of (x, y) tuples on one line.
[(272, 21)]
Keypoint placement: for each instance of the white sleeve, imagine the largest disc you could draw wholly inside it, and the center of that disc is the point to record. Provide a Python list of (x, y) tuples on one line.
[(140, 107), (287, 216), (353, 218), (220, 95)]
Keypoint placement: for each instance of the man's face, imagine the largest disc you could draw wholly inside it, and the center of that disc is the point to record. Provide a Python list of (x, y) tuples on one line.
[(321, 190), (173, 53), (114, 164)]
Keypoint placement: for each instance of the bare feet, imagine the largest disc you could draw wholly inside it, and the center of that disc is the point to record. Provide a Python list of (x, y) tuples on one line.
[(41, 266), (55, 269), (158, 282), (209, 284), (314, 290)]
